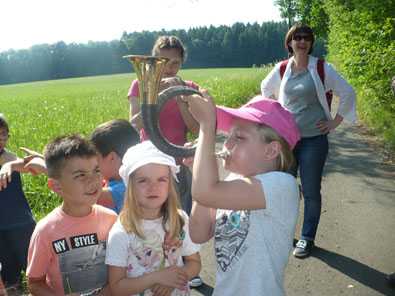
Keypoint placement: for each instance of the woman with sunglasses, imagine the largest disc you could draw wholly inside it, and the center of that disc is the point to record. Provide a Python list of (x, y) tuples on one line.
[(302, 90)]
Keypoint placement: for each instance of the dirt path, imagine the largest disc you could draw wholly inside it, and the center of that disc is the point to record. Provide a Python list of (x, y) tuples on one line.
[(356, 236)]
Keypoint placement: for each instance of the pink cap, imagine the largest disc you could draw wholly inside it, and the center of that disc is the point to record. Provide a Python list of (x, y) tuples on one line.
[(263, 111)]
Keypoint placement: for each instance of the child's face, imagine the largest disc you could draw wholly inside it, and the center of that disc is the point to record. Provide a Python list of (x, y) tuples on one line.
[(246, 149), (109, 165), (3, 138), (80, 181), (151, 187), (174, 65)]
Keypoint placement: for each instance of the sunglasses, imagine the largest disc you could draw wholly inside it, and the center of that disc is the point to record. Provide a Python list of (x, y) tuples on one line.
[(300, 37)]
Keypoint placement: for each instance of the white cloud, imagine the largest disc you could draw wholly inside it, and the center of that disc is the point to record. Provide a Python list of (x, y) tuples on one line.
[(26, 22)]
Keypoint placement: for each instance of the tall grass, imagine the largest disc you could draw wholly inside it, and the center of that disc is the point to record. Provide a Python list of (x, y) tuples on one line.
[(40, 111)]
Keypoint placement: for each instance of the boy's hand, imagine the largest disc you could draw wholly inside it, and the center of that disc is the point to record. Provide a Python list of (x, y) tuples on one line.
[(31, 153), (160, 290), (174, 277), (35, 165)]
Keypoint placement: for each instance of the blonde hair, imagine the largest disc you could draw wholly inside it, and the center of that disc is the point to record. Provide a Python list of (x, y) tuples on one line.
[(132, 215), (285, 159)]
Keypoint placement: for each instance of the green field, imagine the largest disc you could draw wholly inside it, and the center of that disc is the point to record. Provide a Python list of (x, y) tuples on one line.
[(39, 111)]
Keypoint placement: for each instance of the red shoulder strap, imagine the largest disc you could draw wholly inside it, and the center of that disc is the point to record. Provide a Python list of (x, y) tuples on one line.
[(283, 66), (320, 70)]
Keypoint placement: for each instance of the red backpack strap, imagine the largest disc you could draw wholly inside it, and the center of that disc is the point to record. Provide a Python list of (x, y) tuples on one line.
[(283, 66), (321, 73), (320, 70)]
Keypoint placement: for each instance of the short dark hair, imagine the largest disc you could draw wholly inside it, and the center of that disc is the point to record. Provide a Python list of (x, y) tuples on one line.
[(169, 42), (115, 135), (64, 148), (3, 123), (298, 28)]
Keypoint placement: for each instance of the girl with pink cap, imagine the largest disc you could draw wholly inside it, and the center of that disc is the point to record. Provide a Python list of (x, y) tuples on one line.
[(252, 216)]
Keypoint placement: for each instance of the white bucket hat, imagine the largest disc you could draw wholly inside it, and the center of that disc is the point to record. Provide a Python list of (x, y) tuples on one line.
[(142, 154)]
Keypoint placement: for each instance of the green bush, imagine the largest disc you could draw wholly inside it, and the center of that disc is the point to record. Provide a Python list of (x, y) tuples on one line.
[(361, 43)]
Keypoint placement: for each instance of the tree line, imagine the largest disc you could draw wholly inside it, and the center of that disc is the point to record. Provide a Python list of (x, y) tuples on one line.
[(239, 45)]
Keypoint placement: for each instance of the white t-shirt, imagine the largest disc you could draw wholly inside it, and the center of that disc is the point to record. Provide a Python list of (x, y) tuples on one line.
[(252, 247), (143, 256)]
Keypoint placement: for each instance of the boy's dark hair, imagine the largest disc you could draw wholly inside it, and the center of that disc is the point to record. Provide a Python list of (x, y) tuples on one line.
[(3, 123), (116, 135), (295, 29), (169, 42), (63, 148)]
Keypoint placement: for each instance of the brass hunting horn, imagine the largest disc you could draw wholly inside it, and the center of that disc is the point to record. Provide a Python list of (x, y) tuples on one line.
[(149, 71)]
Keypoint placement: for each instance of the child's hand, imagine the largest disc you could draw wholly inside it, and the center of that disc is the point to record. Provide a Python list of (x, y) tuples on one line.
[(5, 175), (160, 290), (173, 276), (31, 153), (17, 165), (202, 108), (167, 82), (35, 165)]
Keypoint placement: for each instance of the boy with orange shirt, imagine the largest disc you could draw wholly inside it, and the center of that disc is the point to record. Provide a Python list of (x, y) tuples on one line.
[(67, 248)]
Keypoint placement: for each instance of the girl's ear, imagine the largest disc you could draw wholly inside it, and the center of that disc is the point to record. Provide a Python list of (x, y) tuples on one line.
[(115, 157), (54, 185), (273, 150)]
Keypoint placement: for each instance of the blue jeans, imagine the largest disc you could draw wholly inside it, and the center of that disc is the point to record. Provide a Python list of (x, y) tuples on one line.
[(310, 155)]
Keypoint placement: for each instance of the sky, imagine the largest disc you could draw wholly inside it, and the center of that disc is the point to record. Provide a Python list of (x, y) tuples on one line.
[(24, 23)]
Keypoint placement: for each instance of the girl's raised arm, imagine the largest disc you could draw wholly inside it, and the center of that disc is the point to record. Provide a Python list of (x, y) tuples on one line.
[(207, 189), (201, 223)]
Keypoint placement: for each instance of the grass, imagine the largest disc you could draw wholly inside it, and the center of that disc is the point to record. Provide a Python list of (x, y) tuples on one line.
[(40, 111)]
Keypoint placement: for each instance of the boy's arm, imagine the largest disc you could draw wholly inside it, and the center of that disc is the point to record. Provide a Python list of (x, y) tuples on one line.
[(35, 165), (34, 161), (39, 287)]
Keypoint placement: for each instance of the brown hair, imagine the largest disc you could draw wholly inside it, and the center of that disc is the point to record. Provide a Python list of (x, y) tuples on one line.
[(131, 214), (3, 123), (115, 135), (285, 159), (58, 151), (169, 42), (298, 28)]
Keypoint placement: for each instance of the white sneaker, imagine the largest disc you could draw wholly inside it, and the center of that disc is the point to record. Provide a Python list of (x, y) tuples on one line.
[(195, 282)]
